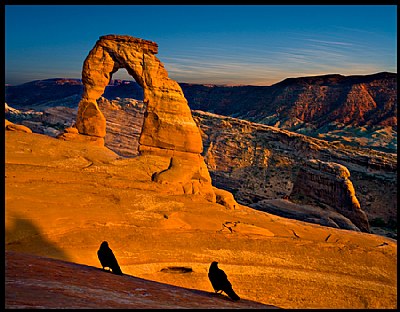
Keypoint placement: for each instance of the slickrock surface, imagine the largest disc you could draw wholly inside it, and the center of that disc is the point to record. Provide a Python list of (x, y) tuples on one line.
[(37, 282), (316, 213), (63, 198)]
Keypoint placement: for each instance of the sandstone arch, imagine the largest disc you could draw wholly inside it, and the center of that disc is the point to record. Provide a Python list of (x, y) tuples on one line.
[(168, 121), (168, 129)]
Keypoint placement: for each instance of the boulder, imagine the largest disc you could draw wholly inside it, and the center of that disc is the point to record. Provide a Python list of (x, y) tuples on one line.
[(187, 173), (14, 127), (225, 198)]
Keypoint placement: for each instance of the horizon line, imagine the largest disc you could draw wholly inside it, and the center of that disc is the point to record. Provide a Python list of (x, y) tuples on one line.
[(219, 84)]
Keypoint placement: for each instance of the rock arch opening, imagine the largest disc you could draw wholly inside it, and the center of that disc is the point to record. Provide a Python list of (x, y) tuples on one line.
[(122, 85), (123, 108)]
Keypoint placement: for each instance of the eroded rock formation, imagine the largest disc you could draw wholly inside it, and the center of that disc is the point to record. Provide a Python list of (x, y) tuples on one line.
[(168, 121), (259, 164), (329, 183), (168, 128), (10, 126)]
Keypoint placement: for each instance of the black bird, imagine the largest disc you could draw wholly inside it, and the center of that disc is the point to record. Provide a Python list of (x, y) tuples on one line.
[(220, 282), (107, 258)]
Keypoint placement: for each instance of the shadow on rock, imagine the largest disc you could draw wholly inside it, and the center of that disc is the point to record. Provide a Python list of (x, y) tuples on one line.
[(25, 236)]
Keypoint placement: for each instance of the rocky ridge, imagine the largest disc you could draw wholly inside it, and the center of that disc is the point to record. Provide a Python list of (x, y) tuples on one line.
[(329, 184), (356, 110), (314, 106), (260, 164)]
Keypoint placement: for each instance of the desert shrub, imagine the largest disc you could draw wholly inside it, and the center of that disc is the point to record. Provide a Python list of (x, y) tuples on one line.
[(377, 222), (392, 223)]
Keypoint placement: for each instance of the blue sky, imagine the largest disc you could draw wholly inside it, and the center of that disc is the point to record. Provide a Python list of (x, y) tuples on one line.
[(221, 44)]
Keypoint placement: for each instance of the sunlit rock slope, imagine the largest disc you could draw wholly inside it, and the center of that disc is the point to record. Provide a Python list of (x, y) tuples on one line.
[(34, 282), (63, 198)]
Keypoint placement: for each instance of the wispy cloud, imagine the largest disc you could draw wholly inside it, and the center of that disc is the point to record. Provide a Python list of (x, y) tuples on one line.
[(353, 30), (330, 42), (246, 44), (265, 63)]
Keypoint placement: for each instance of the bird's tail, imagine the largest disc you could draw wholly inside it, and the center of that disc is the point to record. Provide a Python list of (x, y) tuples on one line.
[(117, 270), (232, 294)]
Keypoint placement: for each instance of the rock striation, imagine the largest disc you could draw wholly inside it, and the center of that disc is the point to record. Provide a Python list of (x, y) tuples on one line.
[(358, 100), (329, 183), (168, 127), (124, 118)]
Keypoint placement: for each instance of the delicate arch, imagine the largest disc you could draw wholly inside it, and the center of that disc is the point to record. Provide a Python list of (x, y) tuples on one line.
[(168, 123)]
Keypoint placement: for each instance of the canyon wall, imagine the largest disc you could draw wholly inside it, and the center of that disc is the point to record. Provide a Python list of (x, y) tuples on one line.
[(257, 163)]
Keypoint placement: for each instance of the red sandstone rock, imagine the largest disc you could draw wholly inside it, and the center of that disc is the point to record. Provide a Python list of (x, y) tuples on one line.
[(225, 198), (42, 282), (168, 124), (329, 183), (14, 127), (168, 121), (259, 163)]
